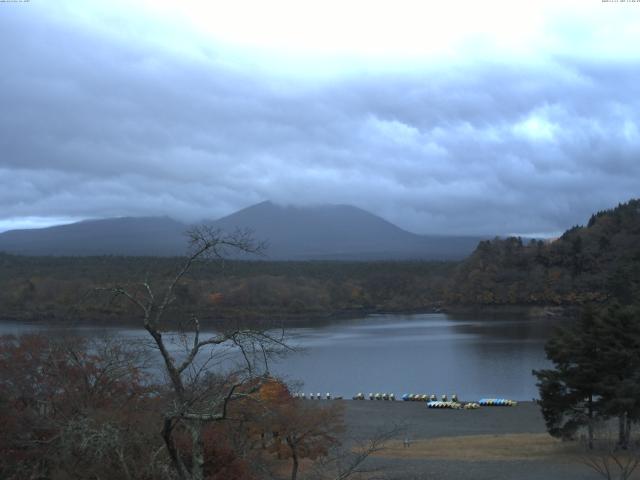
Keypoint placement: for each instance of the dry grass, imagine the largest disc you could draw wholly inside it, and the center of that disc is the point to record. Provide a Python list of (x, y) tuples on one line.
[(509, 447)]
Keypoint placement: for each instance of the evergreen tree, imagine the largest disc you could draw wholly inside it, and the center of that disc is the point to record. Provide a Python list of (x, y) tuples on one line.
[(619, 336), (569, 393), (596, 374)]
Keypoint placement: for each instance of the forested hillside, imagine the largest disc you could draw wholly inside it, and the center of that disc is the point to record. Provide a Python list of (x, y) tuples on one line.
[(587, 263)]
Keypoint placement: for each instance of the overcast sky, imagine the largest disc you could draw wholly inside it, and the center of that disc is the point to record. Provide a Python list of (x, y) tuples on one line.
[(475, 118)]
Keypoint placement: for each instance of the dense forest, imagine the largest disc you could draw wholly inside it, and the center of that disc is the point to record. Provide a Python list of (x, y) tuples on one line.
[(55, 288), (586, 264)]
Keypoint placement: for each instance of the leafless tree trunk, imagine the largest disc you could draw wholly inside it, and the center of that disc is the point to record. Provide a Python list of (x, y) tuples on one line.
[(590, 421), (191, 408), (294, 459)]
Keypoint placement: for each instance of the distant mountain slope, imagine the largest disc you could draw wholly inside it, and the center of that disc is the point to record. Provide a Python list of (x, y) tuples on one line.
[(339, 232), (157, 236), (335, 232)]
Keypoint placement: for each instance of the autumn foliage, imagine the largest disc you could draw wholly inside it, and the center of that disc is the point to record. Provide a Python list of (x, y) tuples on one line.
[(587, 264), (74, 409), (69, 408)]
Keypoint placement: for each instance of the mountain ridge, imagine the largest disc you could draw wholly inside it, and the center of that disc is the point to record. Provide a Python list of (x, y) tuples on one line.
[(323, 232)]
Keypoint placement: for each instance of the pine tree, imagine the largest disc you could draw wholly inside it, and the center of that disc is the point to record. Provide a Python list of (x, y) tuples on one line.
[(619, 337), (570, 393), (596, 374)]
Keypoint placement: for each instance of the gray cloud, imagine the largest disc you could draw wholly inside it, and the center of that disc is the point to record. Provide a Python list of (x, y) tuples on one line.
[(95, 126)]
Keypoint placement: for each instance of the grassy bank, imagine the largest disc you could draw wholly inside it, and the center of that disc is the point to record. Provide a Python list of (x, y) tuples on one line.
[(486, 444)]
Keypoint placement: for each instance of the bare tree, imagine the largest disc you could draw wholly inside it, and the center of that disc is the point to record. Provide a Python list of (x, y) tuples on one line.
[(199, 398), (609, 460), (348, 460)]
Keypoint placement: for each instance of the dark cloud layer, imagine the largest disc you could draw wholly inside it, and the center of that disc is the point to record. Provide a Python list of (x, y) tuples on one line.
[(95, 126)]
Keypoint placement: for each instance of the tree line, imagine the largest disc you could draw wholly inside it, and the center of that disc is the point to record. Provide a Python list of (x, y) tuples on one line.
[(57, 288)]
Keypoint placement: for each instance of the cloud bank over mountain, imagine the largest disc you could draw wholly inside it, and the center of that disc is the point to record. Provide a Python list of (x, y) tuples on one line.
[(107, 113)]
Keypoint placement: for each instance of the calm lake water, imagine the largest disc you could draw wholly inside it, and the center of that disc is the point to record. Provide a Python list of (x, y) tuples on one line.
[(427, 353)]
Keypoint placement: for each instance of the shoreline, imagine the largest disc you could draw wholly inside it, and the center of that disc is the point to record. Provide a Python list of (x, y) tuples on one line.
[(279, 319)]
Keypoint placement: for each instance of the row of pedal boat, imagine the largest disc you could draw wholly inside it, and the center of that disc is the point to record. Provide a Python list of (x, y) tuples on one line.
[(430, 400)]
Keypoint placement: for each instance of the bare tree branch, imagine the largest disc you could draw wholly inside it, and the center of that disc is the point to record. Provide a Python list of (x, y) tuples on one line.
[(197, 402)]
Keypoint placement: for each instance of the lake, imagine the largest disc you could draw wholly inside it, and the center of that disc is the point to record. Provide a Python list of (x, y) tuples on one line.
[(426, 353)]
